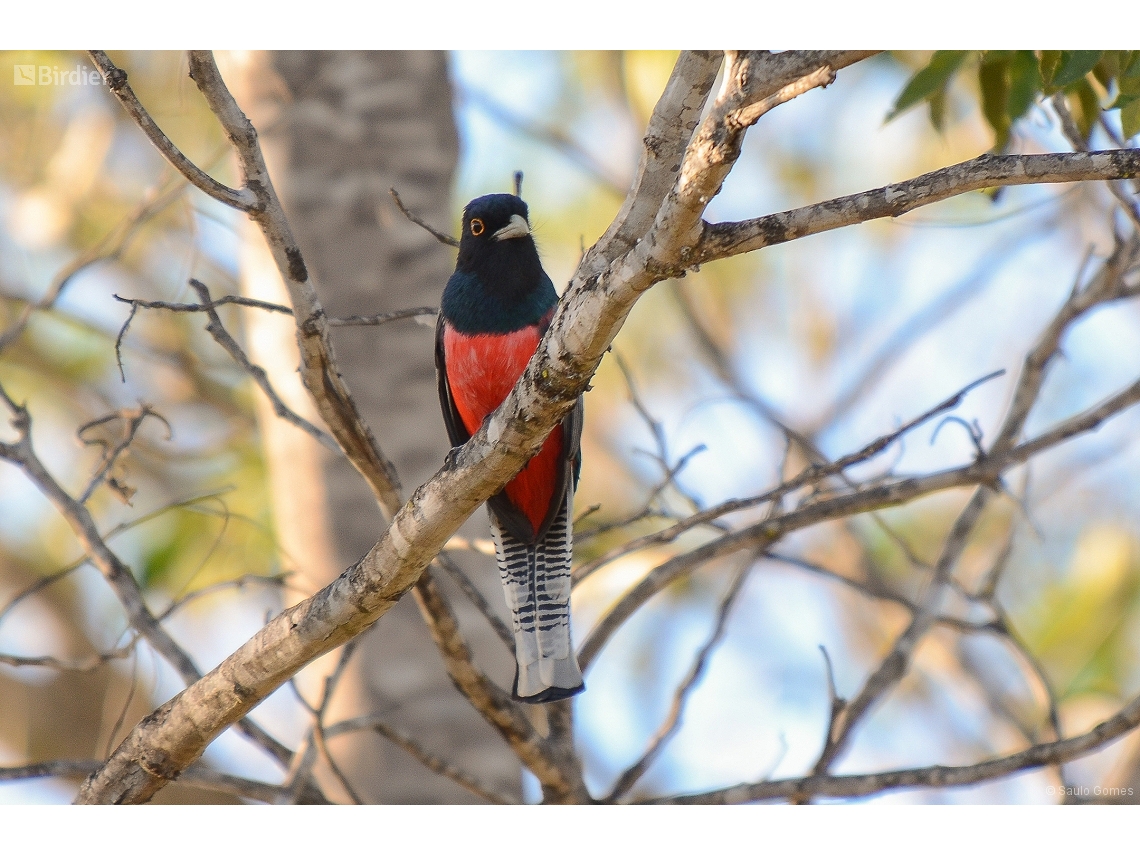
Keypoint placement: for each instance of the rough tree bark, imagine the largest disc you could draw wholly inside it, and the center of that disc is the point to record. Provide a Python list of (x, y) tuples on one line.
[(341, 128)]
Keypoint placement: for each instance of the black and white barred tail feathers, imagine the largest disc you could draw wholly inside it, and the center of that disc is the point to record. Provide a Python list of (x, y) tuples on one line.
[(536, 579)]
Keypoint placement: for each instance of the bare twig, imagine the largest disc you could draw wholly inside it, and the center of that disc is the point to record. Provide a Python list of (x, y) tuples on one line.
[(249, 302), (87, 663), (110, 248), (1059, 751), (239, 583), (116, 79), (442, 237), (117, 574), (889, 494), (423, 314), (131, 422), (119, 339), (811, 475), (376, 722), (218, 331), (229, 299), (672, 722)]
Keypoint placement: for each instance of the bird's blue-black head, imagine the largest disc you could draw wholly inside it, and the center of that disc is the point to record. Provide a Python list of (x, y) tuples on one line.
[(498, 285)]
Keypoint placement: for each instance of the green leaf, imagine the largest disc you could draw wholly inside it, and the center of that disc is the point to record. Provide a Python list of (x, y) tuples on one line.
[(1085, 105), (1129, 83), (1123, 99), (930, 80), (1129, 88), (1024, 83), (994, 80), (1075, 64), (938, 109), (1109, 67), (1048, 62), (1130, 119)]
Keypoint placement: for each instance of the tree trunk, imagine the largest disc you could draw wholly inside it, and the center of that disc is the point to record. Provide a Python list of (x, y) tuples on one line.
[(340, 129)]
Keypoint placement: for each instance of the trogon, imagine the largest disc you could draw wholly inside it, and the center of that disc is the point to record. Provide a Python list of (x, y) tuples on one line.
[(495, 308)]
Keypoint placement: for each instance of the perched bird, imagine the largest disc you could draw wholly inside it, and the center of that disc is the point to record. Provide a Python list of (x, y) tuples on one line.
[(496, 307)]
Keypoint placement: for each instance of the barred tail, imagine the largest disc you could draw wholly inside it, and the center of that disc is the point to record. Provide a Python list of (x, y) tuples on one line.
[(536, 580)]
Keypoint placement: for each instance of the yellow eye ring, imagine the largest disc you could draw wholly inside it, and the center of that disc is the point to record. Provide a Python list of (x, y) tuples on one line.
[(477, 227)]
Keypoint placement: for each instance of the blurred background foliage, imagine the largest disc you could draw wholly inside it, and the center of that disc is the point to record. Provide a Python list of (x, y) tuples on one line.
[(840, 336)]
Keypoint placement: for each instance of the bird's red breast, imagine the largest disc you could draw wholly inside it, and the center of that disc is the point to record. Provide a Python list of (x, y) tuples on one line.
[(481, 371)]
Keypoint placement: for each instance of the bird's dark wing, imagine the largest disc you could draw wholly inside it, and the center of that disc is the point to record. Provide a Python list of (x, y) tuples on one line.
[(456, 431), (572, 437)]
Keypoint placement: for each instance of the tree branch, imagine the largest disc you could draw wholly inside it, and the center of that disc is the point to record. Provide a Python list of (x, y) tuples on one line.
[(890, 494), (672, 723), (375, 721), (1059, 751), (116, 79), (117, 574), (445, 239), (610, 279), (195, 776), (811, 475), (110, 248), (319, 370), (218, 331), (723, 240)]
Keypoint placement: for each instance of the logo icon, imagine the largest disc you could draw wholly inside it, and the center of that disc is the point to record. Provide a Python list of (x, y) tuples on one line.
[(24, 75)]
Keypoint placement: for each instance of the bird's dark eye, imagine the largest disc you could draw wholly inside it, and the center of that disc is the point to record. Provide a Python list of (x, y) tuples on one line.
[(477, 227)]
